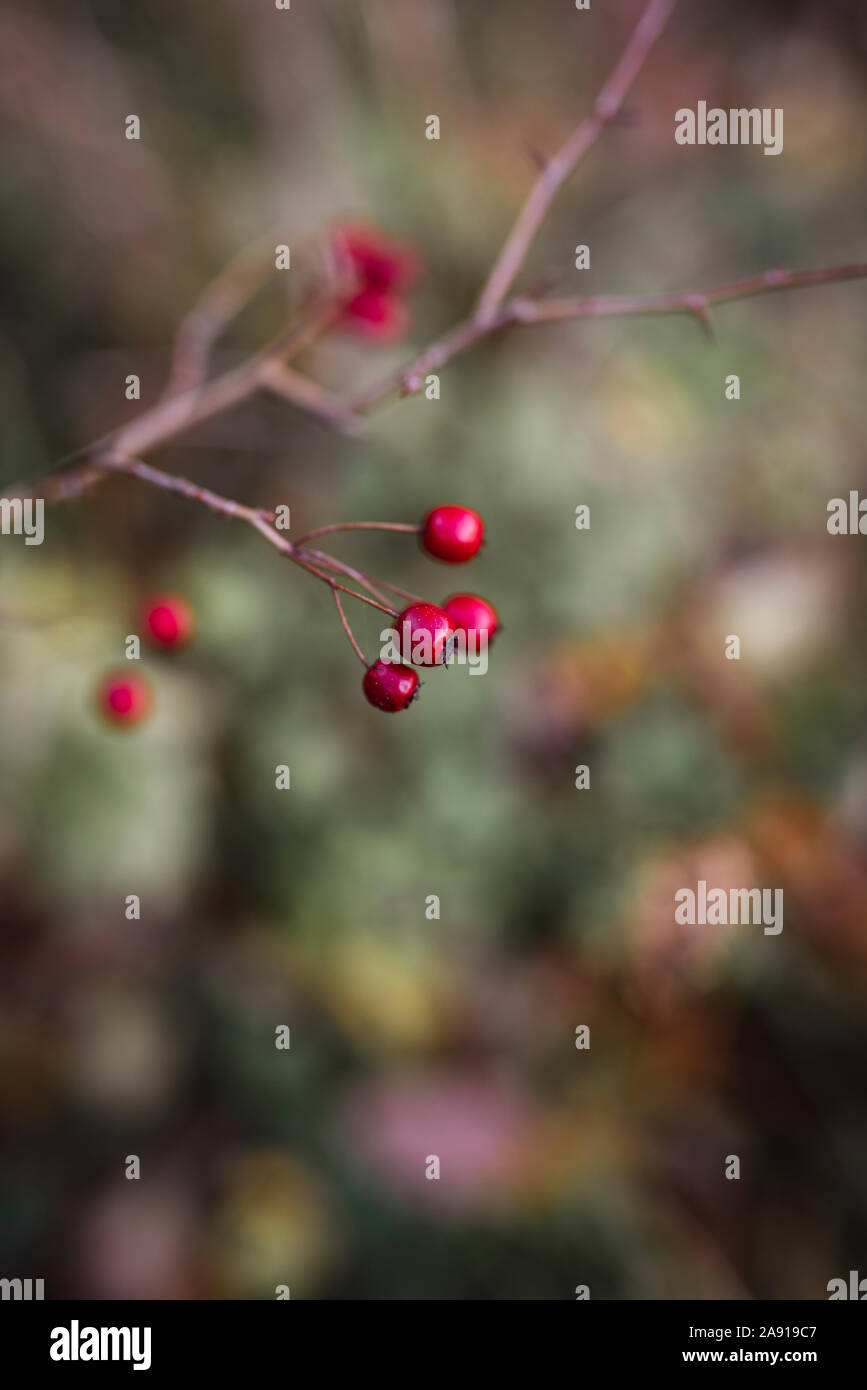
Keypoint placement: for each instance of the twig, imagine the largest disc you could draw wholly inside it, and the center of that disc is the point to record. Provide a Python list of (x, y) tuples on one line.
[(225, 506), (408, 380), (359, 526), (309, 395), (339, 567), (696, 302), (525, 311), (219, 303), (175, 414), (329, 562), (171, 482), (347, 629), (570, 155)]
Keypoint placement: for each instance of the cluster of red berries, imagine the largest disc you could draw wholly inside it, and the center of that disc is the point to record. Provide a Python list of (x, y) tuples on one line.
[(383, 271), (126, 698), (453, 535), (426, 632)]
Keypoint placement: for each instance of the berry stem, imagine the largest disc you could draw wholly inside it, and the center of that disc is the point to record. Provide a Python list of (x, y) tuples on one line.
[(326, 561), (329, 562), (261, 525), (348, 630), (358, 526)]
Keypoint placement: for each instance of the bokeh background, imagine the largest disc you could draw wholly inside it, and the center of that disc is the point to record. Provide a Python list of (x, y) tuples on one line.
[(307, 907)]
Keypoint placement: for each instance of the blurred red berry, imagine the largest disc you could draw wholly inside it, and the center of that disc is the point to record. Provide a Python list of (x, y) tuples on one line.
[(425, 633), (383, 270), (378, 261), (169, 621), (124, 698), (452, 534), (377, 314), (470, 613), (389, 686)]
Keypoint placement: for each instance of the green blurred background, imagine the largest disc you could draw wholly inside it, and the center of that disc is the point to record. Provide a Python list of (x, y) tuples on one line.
[(307, 907)]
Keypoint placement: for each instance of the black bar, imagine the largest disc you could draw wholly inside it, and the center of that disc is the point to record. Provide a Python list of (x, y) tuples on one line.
[(262, 1339)]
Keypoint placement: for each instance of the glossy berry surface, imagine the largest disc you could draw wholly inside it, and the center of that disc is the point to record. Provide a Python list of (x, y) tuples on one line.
[(168, 621), (124, 698), (452, 534), (389, 686), (471, 613), (425, 634)]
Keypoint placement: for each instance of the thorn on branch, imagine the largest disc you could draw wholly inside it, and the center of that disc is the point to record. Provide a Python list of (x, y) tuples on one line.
[(698, 305)]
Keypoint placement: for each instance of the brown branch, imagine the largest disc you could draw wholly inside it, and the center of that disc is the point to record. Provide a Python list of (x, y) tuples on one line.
[(219, 303), (308, 395), (173, 415), (696, 302), (225, 506), (570, 155), (408, 380), (525, 311), (171, 482)]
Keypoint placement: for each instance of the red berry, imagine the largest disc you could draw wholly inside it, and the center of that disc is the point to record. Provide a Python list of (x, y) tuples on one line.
[(169, 620), (425, 634), (124, 698), (389, 686), (378, 262), (470, 613), (452, 534), (382, 270), (376, 314)]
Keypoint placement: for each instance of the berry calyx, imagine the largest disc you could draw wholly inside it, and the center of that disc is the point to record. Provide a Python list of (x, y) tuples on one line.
[(124, 698), (389, 686), (425, 633), (452, 534), (168, 621), (471, 613)]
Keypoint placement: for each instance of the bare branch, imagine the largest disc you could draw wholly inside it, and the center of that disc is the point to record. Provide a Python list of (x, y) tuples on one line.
[(219, 303), (175, 414), (225, 506), (695, 302), (408, 380), (570, 155), (308, 395)]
